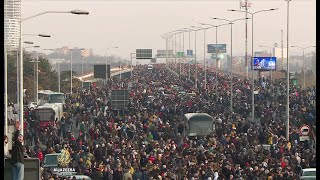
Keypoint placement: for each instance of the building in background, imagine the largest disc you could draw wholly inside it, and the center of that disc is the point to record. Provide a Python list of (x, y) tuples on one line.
[(85, 53), (65, 50), (12, 17)]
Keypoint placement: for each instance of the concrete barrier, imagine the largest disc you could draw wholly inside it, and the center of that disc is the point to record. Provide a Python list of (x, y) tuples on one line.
[(31, 169)]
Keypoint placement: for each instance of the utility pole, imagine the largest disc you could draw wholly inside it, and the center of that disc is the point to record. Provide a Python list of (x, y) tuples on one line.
[(281, 49), (246, 5)]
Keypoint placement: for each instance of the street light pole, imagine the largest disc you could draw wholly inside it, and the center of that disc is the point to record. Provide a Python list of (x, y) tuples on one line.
[(81, 70), (231, 74), (252, 71), (175, 52), (231, 65), (5, 91), (270, 49), (195, 59), (59, 87), (37, 87), (216, 79), (190, 55), (288, 78), (77, 12), (252, 64), (115, 47), (21, 82), (304, 68), (204, 59), (180, 39), (195, 53), (71, 72), (36, 79), (183, 49)]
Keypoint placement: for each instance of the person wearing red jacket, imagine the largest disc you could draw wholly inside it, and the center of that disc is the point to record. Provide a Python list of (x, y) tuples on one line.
[(40, 155)]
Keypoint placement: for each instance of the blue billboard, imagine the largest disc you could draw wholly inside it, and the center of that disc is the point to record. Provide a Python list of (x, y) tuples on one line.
[(264, 63), (189, 52)]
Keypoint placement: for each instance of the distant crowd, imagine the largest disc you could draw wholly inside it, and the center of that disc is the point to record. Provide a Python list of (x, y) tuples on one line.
[(146, 141)]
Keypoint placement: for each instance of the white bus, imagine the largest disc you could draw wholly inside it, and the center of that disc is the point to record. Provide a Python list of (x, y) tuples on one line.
[(46, 114), (48, 96), (198, 124)]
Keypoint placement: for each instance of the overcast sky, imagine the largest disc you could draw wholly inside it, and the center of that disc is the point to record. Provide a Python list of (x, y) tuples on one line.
[(132, 24)]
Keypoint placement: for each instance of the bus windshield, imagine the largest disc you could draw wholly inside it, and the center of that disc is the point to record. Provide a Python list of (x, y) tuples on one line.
[(200, 127), (199, 124), (56, 98), (44, 114)]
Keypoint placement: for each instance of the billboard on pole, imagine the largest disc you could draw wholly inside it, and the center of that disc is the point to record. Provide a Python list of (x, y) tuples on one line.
[(163, 53), (180, 54), (119, 99), (153, 60), (216, 48), (189, 52), (99, 71), (264, 63), (143, 53)]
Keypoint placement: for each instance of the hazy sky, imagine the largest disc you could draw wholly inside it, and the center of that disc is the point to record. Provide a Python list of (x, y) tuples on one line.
[(132, 24)]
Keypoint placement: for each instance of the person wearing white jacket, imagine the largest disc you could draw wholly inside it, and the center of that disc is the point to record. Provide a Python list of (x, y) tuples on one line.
[(215, 176)]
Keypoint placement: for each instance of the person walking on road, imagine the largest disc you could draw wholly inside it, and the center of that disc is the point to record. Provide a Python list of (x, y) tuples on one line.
[(17, 156)]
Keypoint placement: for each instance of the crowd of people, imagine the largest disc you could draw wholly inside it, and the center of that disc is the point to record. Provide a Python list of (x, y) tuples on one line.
[(147, 140)]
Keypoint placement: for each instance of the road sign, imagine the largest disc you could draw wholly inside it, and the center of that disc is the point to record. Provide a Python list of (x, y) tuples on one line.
[(153, 60), (143, 53), (304, 133), (180, 54), (163, 53), (304, 130), (99, 71), (119, 99), (189, 52), (216, 48)]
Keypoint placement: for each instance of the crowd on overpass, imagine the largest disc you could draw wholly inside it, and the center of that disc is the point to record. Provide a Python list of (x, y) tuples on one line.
[(147, 141)]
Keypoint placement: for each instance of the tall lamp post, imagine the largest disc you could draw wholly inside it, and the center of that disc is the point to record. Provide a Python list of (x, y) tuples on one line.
[(77, 12), (115, 47), (204, 58), (18, 74), (231, 73), (304, 67), (36, 64), (288, 78), (71, 73), (35, 75), (58, 66), (252, 64), (195, 29), (216, 79), (272, 56)]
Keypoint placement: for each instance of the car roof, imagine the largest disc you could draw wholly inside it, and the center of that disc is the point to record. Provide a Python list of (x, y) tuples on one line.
[(309, 169), (53, 154)]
